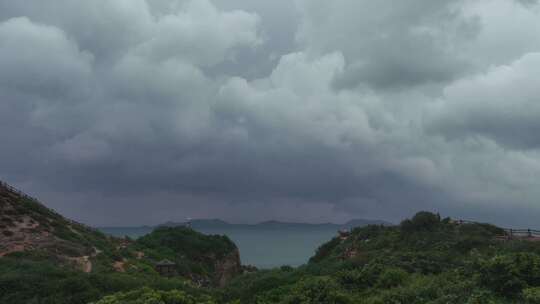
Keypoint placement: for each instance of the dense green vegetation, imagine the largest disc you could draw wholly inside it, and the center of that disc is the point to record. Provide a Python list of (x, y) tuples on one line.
[(425, 259), (39, 280), (192, 252), (39, 277), (146, 295)]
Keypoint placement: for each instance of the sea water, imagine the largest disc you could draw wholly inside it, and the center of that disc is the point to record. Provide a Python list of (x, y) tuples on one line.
[(260, 247)]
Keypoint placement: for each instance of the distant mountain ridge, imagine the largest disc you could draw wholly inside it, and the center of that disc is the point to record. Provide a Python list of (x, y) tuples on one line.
[(365, 222), (218, 223)]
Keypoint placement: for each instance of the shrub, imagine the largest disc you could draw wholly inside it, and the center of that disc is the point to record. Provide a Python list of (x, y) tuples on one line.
[(325, 250), (420, 291), (392, 277), (509, 274), (149, 296), (315, 290), (351, 279), (286, 268), (532, 295), (423, 220)]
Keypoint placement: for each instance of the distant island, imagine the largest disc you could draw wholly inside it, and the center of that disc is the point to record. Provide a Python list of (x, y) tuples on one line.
[(218, 223)]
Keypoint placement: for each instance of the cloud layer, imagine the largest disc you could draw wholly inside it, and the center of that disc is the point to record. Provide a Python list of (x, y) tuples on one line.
[(132, 112)]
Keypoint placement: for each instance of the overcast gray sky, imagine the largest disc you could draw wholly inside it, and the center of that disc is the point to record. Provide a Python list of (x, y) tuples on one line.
[(132, 112)]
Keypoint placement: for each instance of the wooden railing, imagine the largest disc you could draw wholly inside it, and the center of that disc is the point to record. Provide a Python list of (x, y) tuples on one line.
[(531, 233), (17, 191), (510, 233), (29, 197)]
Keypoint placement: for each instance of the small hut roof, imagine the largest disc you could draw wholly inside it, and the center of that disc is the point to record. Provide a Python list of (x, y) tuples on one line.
[(165, 263)]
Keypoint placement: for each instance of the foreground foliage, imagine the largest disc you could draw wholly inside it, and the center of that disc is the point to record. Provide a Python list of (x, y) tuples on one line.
[(147, 296), (39, 280), (39, 277)]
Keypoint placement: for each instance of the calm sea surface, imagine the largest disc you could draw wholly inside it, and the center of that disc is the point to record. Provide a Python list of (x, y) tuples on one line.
[(264, 248)]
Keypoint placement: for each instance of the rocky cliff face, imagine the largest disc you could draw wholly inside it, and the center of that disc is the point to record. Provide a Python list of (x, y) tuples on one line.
[(205, 259), (228, 267)]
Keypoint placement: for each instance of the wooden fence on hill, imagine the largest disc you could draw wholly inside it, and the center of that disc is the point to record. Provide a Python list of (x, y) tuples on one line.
[(522, 233), (17, 191), (29, 197), (511, 233)]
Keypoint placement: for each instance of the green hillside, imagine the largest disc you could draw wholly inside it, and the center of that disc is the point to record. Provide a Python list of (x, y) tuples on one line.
[(423, 260), (208, 260)]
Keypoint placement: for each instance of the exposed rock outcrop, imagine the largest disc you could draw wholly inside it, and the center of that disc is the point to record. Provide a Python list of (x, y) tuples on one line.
[(208, 260), (228, 267)]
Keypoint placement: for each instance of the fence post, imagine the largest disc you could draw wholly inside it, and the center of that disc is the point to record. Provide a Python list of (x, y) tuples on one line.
[(529, 234), (511, 233)]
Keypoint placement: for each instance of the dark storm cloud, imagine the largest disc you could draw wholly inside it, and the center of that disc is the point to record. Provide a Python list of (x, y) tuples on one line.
[(249, 110), (391, 44), (395, 75), (528, 2)]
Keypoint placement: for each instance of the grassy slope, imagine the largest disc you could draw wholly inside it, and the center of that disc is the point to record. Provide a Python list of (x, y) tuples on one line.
[(43, 229)]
